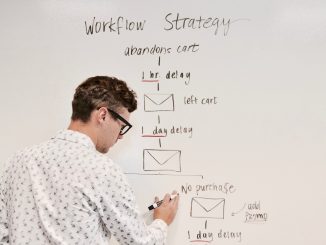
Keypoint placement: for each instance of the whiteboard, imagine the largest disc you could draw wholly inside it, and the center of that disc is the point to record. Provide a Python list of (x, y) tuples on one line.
[(232, 108)]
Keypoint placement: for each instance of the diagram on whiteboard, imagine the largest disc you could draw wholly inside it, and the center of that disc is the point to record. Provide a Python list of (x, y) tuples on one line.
[(161, 160), (158, 102), (202, 207)]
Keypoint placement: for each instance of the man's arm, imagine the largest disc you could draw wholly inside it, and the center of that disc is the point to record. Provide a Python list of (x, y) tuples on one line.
[(168, 208), (120, 215)]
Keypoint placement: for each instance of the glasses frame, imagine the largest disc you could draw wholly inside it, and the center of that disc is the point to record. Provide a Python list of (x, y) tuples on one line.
[(117, 116)]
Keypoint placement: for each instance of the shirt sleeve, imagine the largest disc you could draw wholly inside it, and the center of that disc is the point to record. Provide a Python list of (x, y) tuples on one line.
[(4, 235), (160, 225), (120, 215)]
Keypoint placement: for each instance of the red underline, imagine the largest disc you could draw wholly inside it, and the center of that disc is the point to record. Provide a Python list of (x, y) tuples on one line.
[(153, 136), (150, 81), (200, 241)]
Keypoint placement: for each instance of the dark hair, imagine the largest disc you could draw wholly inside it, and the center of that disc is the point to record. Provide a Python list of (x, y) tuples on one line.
[(101, 91)]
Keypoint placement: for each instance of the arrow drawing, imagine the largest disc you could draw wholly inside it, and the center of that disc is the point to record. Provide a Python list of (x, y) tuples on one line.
[(234, 213)]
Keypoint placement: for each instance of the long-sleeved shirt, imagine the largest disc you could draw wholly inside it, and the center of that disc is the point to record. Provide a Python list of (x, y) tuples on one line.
[(65, 192)]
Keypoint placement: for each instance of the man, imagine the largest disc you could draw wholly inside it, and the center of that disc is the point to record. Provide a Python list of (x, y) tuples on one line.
[(66, 191)]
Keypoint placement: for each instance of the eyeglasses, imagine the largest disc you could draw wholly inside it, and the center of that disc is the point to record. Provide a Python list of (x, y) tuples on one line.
[(125, 128)]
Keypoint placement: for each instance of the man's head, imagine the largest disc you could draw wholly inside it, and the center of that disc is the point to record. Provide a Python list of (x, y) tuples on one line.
[(101, 108)]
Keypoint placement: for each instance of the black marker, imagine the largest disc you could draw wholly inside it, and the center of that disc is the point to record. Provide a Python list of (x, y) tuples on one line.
[(157, 204)]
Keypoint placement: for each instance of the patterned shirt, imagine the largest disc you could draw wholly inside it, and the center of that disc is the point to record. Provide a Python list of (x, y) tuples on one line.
[(65, 192)]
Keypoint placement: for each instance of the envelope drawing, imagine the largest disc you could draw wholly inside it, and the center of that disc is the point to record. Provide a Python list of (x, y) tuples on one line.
[(158, 102), (161, 160), (202, 207)]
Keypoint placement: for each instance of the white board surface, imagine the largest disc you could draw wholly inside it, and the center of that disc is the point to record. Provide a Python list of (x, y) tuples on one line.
[(232, 105)]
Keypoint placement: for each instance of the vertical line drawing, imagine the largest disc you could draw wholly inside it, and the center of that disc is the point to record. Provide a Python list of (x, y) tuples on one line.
[(160, 143), (159, 60)]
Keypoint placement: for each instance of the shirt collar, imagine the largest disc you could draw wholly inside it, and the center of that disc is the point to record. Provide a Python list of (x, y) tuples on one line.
[(76, 137)]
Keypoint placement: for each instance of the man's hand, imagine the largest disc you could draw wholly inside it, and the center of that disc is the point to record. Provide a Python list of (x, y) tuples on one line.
[(168, 209)]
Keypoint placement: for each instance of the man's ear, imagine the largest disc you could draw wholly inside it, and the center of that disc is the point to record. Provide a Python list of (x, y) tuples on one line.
[(101, 115)]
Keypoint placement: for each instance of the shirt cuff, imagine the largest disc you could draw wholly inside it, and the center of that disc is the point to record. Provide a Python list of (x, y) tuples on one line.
[(160, 225)]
